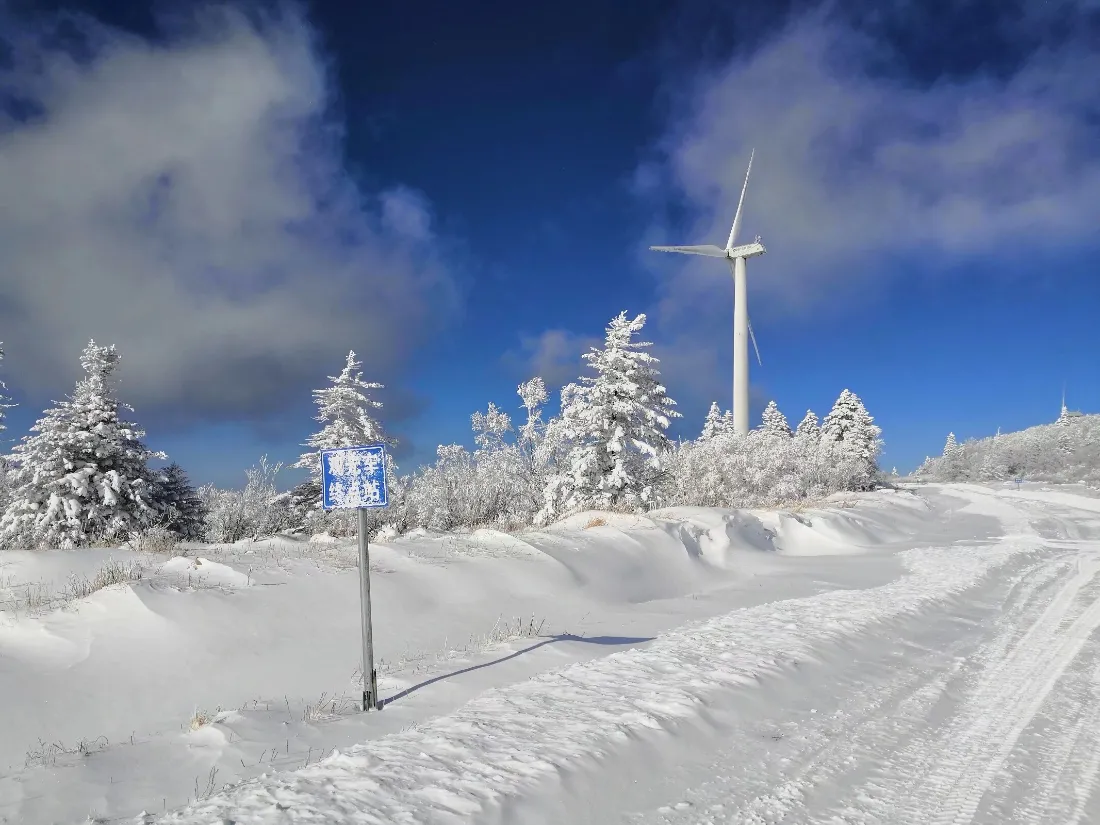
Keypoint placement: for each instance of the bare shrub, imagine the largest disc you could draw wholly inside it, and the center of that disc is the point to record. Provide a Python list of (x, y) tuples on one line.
[(154, 540), (202, 718), (329, 707), (45, 754)]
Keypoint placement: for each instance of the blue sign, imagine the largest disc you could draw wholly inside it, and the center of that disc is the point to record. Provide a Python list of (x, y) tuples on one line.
[(353, 477)]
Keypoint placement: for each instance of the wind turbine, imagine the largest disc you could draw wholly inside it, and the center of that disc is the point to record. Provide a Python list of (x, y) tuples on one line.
[(742, 328)]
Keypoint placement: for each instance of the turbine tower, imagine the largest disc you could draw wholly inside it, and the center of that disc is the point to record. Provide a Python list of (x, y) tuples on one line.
[(742, 328)]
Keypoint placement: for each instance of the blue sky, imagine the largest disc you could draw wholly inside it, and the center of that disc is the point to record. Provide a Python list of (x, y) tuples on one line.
[(464, 194)]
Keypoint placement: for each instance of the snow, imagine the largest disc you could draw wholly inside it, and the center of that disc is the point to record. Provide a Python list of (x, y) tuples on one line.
[(847, 663)]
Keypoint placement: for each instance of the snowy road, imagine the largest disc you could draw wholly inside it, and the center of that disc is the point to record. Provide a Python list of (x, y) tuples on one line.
[(983, 710), (966, 691)]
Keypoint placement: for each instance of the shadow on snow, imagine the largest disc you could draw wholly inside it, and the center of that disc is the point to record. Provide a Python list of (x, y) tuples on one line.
[(564, 637)]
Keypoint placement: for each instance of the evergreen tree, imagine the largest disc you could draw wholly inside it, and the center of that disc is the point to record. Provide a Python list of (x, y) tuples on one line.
[(1063, 436), (713, 424), (952, 460), (614, 424), (184, 511), (727, 423), (5, 403), (926, 467), (808, 427), (849, 424), (951, 446), (5, 481), (1063, 416), (83, 476), (774, 423), (344, 410)]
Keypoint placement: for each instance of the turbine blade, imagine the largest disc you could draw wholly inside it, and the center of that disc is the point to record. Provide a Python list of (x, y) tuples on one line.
[(752, 336), (710, 250), (740, 203)]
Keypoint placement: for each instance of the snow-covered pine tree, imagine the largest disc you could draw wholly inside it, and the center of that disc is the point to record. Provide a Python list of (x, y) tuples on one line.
[(926, 467), (727, 423), (808, 427), (773, 423), (851, 425), (83, 476), (951, 466), (614, 424), (184, 511), (1063, 436), (345, 411), (5, 404), (950, 446), (712, 424)]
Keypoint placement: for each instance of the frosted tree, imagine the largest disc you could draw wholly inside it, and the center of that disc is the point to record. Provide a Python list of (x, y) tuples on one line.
[(1063, 436), (951, 468), (5, 402), (808, 428), (950, 446), (850, 425), (774, 423), (83, 474), (615, 426), (491, 427), (713, 423), (926, 468), (345, 411), (727, 422), (533, 395), (993, 467), (184, 510)]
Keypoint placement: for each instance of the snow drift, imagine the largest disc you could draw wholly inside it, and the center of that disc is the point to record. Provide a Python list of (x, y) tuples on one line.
[(241, 660)]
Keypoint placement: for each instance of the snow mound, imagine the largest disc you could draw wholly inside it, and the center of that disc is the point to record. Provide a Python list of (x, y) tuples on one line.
[(206, 572)]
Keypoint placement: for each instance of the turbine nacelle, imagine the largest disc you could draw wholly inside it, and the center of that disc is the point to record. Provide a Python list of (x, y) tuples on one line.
[(747, 250)]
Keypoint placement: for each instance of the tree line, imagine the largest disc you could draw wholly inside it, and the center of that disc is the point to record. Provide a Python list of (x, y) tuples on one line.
[(1064, 451), (83, 476)]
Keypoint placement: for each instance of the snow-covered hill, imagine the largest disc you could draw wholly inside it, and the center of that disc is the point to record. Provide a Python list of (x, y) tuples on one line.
[(890, 658)]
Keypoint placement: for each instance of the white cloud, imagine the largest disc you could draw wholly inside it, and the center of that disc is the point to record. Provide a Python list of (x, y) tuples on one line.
[(407, 213), (554, 355), (187, 200), (853, 166)]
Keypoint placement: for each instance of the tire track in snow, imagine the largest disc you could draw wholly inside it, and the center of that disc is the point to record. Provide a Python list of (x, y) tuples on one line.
[(873, 719), (1084, 782), (1063, 757), (955, 769)]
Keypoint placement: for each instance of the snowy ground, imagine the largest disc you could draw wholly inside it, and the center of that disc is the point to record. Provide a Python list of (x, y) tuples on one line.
[(920, 657)]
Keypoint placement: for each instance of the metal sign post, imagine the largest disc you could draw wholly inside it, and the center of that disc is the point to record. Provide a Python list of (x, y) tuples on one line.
[(355, 478)]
